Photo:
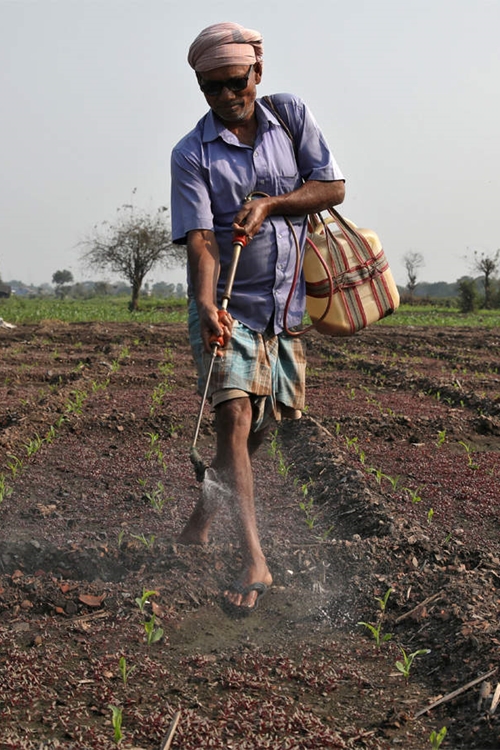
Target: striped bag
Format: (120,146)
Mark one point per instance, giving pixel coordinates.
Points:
(348,280)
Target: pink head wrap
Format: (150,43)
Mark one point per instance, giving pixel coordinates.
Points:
(225,44)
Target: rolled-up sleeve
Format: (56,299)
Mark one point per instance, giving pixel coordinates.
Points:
(190,198)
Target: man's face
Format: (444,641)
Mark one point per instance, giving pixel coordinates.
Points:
(231,106)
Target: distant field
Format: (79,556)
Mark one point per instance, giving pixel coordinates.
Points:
(104,309)
(153,310)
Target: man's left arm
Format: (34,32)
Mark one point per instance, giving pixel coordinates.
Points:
(311,197)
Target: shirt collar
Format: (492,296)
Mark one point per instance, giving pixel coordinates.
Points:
(213,128)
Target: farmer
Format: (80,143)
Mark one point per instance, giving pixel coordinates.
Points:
(237,148)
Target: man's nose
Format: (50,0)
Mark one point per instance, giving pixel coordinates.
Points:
(226,93)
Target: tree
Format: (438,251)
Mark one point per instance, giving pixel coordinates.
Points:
(487,265)
(132,246)
(62,279)
(412,262)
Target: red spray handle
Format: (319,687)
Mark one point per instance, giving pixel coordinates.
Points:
(217,340)
(239,241)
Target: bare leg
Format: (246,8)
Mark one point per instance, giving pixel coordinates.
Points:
(235,445)
(197,528)
(232,463)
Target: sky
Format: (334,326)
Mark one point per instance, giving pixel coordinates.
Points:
(95,93)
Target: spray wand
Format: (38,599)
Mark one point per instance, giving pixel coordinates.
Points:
(239,241)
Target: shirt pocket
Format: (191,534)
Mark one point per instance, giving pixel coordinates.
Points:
(276,169)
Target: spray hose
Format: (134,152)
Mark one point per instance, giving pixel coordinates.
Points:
(314,219)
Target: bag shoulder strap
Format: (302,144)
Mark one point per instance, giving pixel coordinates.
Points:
(270,101)
(298,263)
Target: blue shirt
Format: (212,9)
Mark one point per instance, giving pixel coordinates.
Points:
(212,173)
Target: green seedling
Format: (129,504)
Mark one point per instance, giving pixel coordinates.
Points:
(160,457)
(153,444)
(166,368)
(382,601)
(96,386)
(33,446)
(307,507)
(153,633)
(469,451)
(50,435)
(124,670)
(5,491)
(273,444)
(116,720)
(283,467)
(121,534)
(158,396)
(157,497)
(376,631)
(393,481)
(351,442)
(146,541)
(436,738)
(324,536)
(377,473)
(430,515)
(143,600)
(75,406)
(414,495)
(405,665)
(15,464)
(124,353)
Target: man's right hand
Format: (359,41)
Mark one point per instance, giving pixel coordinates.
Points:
(216,328)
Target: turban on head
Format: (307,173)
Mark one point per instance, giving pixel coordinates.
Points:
(225,44)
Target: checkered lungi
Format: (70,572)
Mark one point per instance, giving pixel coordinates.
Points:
(267,367)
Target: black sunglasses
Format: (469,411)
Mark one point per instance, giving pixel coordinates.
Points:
(214,88)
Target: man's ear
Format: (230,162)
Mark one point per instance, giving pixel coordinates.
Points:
(257,69)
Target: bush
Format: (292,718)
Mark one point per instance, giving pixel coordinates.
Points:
(468,297)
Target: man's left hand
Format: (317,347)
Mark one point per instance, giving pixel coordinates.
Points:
(251,216)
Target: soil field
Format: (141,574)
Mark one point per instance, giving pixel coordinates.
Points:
(380,506)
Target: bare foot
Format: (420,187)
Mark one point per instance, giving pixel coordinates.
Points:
(191,536)
(198,526)
(239,594)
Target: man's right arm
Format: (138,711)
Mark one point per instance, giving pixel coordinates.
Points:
(204,268)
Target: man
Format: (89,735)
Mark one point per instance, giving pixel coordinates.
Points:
(237,148)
